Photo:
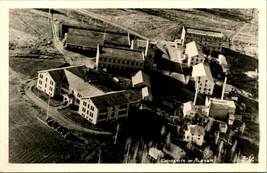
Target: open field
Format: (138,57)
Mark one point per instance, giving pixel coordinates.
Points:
(166,23)
(30,140)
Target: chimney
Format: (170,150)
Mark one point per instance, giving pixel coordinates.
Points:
(132,44)
(195,99)
(224,85)
(146,51)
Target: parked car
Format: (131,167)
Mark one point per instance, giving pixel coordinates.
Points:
(55,125)
(50,123)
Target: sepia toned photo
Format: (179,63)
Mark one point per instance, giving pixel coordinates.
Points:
(134,86)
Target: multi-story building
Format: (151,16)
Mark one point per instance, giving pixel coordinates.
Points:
(70,82)
(220,108)
(204,81)
(140,79)
(207,39)
(148,47)
(189,110)
(104,107)
(119,58)
(195,134)
(194,54)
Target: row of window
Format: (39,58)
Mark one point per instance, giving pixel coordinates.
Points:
(118,66)
(118,61)
(85,104)
(205,38)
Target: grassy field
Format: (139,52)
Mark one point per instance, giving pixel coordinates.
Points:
(166,23)
(31,141)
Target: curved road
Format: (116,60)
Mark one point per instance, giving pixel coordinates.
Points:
(55,114)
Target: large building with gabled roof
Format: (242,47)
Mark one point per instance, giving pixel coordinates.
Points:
(194,54)
(208,39)
(70,82)
(104,107)
(119,58)
(204,81)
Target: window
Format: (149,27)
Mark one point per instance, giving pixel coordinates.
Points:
(91,114)
(132,63)
(102,116)
(46,79)
(119,61)
(88,106)
(87,112)
(51,82)
(40,82)
(41,76)
(123,106)
(122,112)
(122,61)
(83,109)
(78,101)
(90,120)
(114,60)
(92,108)
(109,60)
(127,62)
(84,103)
(104,110)
(198,138)
(45,85)
(105,59)
(136,63)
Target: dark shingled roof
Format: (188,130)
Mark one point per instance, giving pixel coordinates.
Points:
(58,75)
(84,41)
(111,99)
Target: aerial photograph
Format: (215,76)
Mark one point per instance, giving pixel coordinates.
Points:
(133,85)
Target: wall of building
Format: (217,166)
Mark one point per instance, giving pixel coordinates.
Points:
(194,60)
(207,42)
(204,85)
(88,110)
(119,63)
(46,84)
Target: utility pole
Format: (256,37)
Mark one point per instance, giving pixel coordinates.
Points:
(48,104)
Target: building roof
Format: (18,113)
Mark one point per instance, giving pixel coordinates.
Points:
(108,51)
(174,151)
(110,99)
(180,77)
(146,92)
(175,54)
(141,77)
(58,74)
(204,32)
(222,60)
(188,106)
(84,41)
(155,153)
(196,129)
(80,85)
(193,49)
(116,39)
(218,107)
(202,69)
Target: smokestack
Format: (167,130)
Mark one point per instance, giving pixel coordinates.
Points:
(195,99)
(132,44)
(224,85)
(146,51)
